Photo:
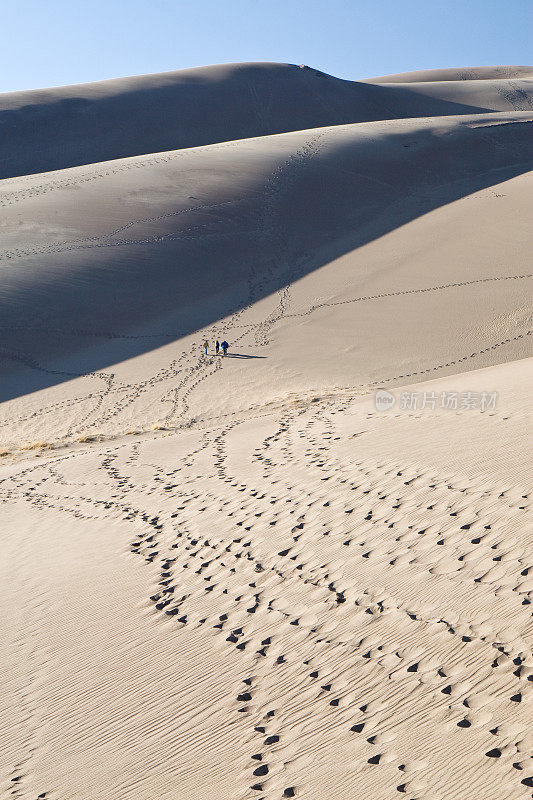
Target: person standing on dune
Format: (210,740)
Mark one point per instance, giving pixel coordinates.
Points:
(206,346)
(217,347)
(224,346)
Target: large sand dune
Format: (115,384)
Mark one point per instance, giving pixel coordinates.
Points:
(68,126)
(235,576)
(187,238)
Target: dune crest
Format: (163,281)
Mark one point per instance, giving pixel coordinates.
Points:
(464,74)
(50,129)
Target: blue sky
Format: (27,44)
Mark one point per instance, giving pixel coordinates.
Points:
(73,41)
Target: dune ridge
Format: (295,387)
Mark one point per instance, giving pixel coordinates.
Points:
(50,129)
(462,74)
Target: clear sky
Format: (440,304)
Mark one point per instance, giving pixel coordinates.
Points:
(56,42)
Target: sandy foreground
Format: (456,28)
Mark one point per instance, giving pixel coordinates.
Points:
(240,577)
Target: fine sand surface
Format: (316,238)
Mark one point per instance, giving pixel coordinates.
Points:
(237,577)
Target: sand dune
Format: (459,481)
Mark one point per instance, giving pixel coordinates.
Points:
(463,74)
(315,599)
(51,129)
(237,577)
(188,238)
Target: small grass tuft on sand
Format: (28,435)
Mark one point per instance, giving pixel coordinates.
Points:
(89,437)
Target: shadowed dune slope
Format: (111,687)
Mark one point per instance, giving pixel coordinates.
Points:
(199,233)
(52,129)
(106,262)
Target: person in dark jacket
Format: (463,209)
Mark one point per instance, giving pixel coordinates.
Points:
(224,347)
(217,346)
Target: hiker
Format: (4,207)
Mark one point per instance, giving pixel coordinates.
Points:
(217,346)
(206,346)
(224,347)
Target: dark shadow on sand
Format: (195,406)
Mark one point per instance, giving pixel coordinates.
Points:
(241,355)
